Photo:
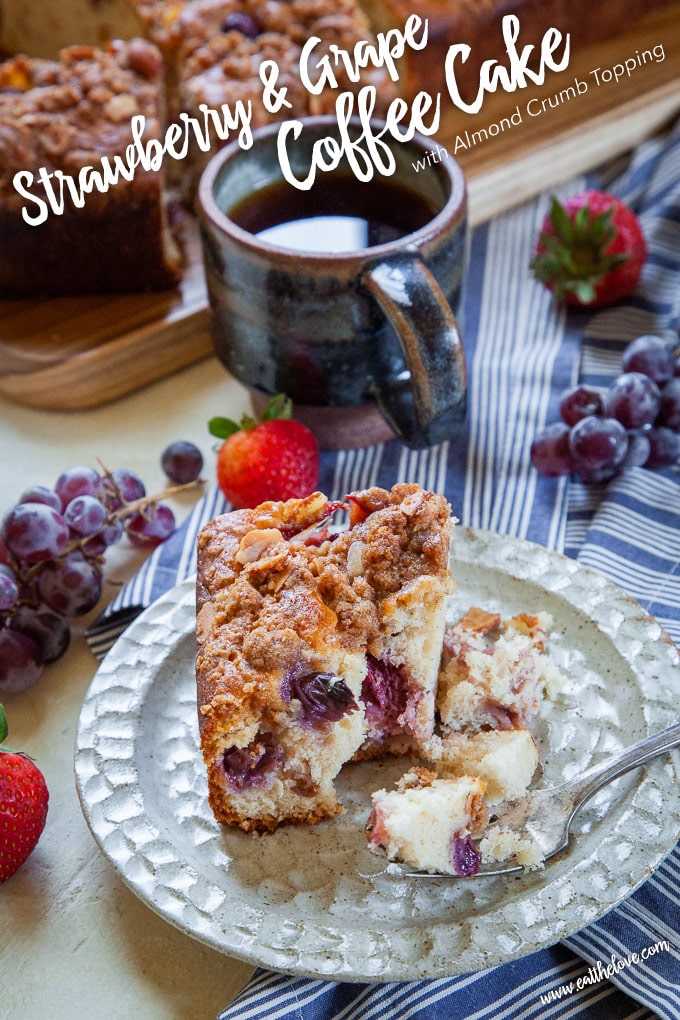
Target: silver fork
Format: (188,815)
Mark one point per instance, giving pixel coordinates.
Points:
(546,815)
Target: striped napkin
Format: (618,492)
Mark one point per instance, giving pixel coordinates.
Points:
(521,354)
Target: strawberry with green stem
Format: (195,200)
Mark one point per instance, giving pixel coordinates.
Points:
(23,805)
(590,250)
(276,458)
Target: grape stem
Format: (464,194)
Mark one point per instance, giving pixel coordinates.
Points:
(139,505)
(127,510)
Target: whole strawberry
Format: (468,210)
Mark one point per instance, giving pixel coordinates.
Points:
(590,251)
(23,806)
(274,459)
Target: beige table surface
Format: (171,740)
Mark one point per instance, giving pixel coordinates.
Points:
(74,941)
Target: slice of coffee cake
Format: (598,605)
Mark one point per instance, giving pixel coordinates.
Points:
(314,648)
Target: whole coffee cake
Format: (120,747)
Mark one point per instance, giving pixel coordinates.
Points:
(56,118)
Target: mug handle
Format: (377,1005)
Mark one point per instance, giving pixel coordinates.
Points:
(426,408)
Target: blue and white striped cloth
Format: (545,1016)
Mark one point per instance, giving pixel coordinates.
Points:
(522,352)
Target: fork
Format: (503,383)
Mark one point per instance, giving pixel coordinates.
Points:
(546,815)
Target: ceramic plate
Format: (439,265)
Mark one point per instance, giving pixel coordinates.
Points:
(313,900)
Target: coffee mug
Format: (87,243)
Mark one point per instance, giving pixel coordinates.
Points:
(342,296)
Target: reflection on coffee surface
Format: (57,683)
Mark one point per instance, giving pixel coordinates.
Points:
(338,214)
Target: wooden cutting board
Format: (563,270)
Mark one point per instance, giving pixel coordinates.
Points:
(74,353)
(78,352)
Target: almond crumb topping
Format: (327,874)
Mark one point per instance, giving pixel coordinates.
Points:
(355,559)
(256,543)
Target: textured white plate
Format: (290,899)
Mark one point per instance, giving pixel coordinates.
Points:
(313,900)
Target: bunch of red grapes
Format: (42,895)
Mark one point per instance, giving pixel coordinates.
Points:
(635,422)
(52,550)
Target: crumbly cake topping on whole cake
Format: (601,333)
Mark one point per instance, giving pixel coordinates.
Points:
(66,114)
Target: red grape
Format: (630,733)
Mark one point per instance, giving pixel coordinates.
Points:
(109,535)
(76,481)
(665,447)
(550,452)
(151,528)
(669,410)
(9,589)
(594,477)
(579,402)
(41,494)
(93,546)
(633,399)
(20,662)
(651,356)
(49,630)
(598,446)
(129,485)
(35,532)
(71,586)
(639,448)
(182,462)
(85,515)
(119,487)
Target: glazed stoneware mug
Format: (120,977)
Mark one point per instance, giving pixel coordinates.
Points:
(342,296)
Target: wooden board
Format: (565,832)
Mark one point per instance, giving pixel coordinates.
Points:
(72,353)
(75,353)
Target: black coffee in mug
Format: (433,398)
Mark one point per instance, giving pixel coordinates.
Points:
(355,319)
(338,214)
